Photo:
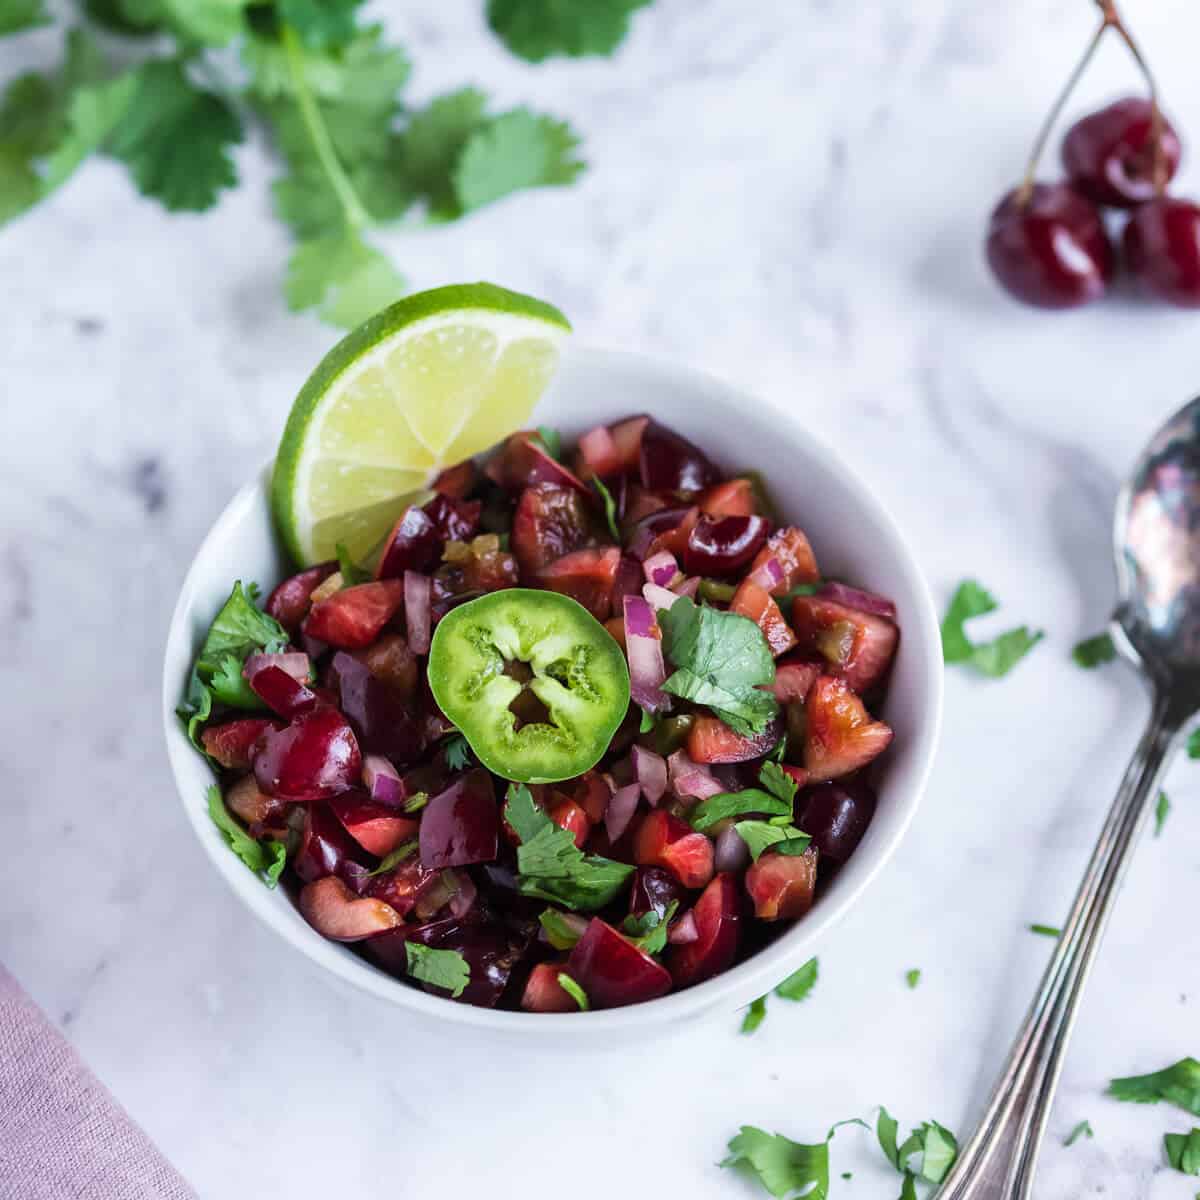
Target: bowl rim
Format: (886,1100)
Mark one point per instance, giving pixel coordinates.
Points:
(737,985)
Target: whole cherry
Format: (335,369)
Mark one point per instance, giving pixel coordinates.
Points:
(1047,245)
(1162,248)
(1110,155)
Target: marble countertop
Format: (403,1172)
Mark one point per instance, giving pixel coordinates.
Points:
(788,195)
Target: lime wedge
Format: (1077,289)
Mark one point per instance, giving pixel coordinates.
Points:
(426,383)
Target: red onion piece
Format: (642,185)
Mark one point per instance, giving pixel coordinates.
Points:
(683,930)
(768,574)
(383,781)
(356,875)
(622,805)
(868,602)
(691,779)
(650,770)
(659,597)
(661,568)
(687,587)
(293,662)
(643,645)
(730,852)
(417,589)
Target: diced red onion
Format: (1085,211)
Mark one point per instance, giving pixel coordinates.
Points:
(661,568)
(313,647)
(868,602)
(416,610)
(643,645)
(683,930)
(768,574)
(659,597)
(687,587)
(464,898)
(573,921)
(622,804)
(292,662)
(355,875)
(730,852)
(691,779)
(383,781)
(650,769)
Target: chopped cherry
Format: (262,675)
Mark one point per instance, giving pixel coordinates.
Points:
(325,847)
(470,569)
(458,481)
(753,601)
(454,520)
(413,545)
(665,529)
(793,679)
(723,545)
(265,815)
(835,816)
(613,971)
(543,992)
(733,498)
(1162,246)
(841,735)
(353,617)
(782,885)
(490,950)
(710,740)
(627,438)
(335,912)
(587,576)
(405,885)
(391,662)
(717,915)
(375,827)
(462,824)
(1110,154)
(663,840)
(654,889)
(568,815)
(289,602)
(549,522)
(857,646)
(523,461)
(598,454)
(280,691)
(313,758)
(381,719)
(1050,248)
(784,562)
(670,463)
(232,743)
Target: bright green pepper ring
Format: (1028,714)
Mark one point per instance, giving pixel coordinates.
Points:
(486,652)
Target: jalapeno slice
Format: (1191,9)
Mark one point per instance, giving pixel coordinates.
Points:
(533,681)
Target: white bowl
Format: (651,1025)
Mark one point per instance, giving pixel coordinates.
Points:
(854,538)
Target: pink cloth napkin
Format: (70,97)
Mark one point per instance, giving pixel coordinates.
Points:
(62,1135)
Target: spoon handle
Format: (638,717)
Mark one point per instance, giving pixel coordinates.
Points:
(998,1163)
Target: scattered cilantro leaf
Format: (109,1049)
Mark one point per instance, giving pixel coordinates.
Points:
(175,138)
(610,508)
(458,752)
(721,660)
(321,24)
(536,29)
(1193,744)
(17,15)
(350,572)
(649,931)
(573,990)
(549,864)
(913,977)
(762,835)
(995,658)
(1183,1151)
(1094,651)
(1162,808)
(390,861)
(777,781)
(341,276)
(559,934)
(1046,930)
(756,1013)
(1178,1084)
(935,1144)
(266,858)
(445,969)
(799,983)
(887,1129)
(782,1166)
(517,150)
(1083,1129)
(732,804)
(551,441)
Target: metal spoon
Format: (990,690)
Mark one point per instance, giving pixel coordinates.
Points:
(1157,627)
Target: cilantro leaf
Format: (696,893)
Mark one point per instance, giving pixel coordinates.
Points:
(536,29)
(762,835)
(130,18)
(1083,1129)
(934,1142)
(551,441)
(175,138)
(913,977)
(432,142)
(1178,1084)
(350,572)
(321,24)
(458,752)
(887,1128)
(559,934)
(266,858)
(573,990)
(210,22)
(799,983)
(1183,1151)
(1046,930)
(549,864)
(519,149)
(610,508)
(16,15)
(446,969)
(995,658)
(721,659)
(1093,651)
(341,276)
(732,804)
(1162,808)
(390,861)
(755,1015)
(777,781)
(649,931)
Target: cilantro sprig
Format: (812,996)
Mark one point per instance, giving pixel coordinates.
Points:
(995,658)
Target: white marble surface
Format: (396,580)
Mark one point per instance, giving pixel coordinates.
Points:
(788,194)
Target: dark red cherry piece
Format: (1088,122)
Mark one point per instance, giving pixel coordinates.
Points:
(1162,247)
